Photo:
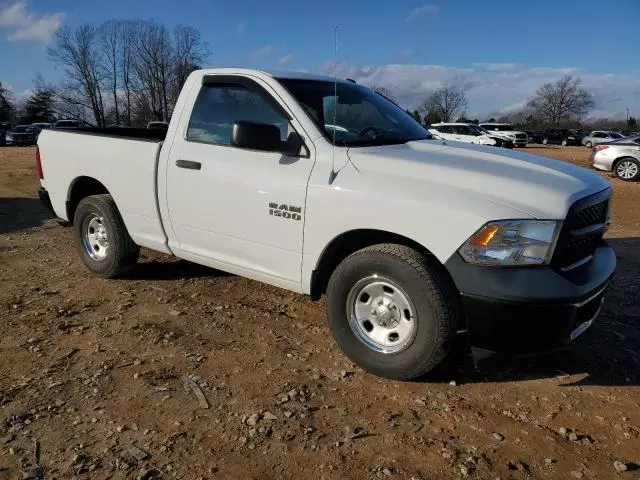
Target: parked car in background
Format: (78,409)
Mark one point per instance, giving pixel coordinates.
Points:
(4,127)
(66,124)
(468,133)
(158,125)
(622,157)
(600,136)
(22,135)
(534,136)
(518,137)
(560,136)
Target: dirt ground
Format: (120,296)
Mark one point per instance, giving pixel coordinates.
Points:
(92,375)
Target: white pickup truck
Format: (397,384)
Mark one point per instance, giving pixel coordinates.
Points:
(324,187)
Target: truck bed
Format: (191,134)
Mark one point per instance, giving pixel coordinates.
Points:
(124,160)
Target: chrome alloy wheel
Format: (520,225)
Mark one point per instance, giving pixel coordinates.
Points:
(627,169)
(381,315)
(96,242)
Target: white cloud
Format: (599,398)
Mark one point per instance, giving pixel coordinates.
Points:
(25,25)
(261,52)
(416,12)
(286,60)
(496,67)
(492,89)
(241,27)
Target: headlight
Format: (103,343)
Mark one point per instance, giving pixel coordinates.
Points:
(571,138)
(9,137)
(511,243)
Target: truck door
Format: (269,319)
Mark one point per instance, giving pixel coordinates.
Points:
(236,209)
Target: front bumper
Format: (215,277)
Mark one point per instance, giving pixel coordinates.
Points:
(530,310)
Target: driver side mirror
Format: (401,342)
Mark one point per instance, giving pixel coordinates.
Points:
(266,137)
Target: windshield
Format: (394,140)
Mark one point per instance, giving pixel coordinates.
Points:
(360,117)
(479,129)
(616,135)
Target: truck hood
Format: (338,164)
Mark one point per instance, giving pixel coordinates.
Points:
(536,186)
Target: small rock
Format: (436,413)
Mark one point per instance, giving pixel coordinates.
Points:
(288,414)
(175,313)
(137,453)
(549,461)
(253,419)
(573,437)
(498,437)
(148,473)
(619,466)
(387,472)
(219,308)
(453,383)
(268,416)
(120,428)
(33,474)
(577,474)
(563,431)
(464,470)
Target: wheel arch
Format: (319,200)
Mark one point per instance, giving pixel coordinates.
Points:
(346,243)
(80,188)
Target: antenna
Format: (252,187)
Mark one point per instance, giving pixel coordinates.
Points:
(332,175)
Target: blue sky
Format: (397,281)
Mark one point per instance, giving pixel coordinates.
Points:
(501,49)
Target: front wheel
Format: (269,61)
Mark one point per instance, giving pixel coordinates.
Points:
(393,311)
(564,143)
(104,244)
(545,141)
(627,169)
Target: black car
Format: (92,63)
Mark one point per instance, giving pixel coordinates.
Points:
(535,136)
(22,135)
(561,136)
(4,128)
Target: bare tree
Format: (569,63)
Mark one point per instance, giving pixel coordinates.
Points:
(110,42)
(189,51)
(563,100)
(78,54)
(129,71)
(7,106)
(446,103)
(384,91)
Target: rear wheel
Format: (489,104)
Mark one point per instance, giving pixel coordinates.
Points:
(589,145)
(627,169)
(392,311)
(564,142)
(545,141)
(104,244)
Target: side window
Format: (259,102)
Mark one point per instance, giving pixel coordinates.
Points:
(463,130)
(445,129)
(599,135)
(218,107)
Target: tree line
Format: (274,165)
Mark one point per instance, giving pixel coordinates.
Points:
(563,103)
(122,72)
(129,72)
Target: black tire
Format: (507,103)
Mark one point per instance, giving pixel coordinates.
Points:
(618,172)
(432,293)
(122,253)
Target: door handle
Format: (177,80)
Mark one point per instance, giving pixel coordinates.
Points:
(191,165)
